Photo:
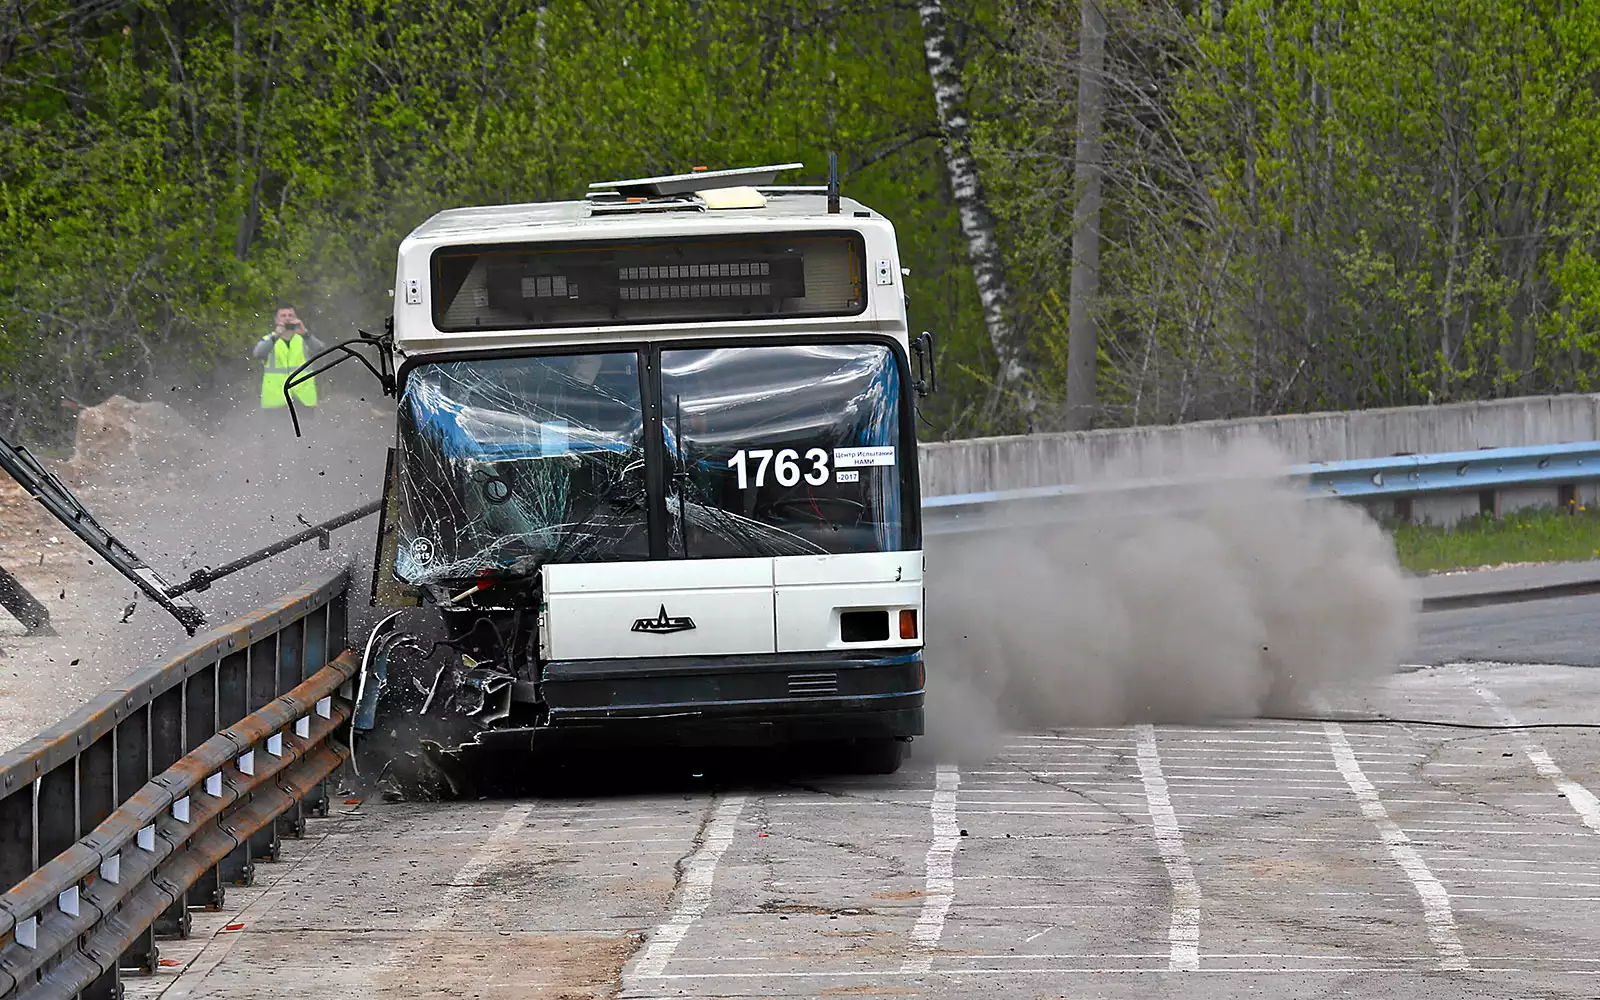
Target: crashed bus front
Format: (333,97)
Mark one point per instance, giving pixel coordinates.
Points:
(656,467)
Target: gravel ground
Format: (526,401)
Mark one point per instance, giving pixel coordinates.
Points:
(178,515)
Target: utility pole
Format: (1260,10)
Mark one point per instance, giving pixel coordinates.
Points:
(1088,165)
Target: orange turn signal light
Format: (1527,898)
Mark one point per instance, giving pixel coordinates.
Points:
(908,624)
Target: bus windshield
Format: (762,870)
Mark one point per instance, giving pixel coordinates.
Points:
(782,449)
(763,450)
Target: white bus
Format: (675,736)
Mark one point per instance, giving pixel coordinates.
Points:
(656,464)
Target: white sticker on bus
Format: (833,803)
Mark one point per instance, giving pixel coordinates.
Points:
(858,458)
(847,476)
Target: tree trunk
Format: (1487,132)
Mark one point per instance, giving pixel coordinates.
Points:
(1088,163)
(977,225)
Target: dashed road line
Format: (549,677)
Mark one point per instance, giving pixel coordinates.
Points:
(694,892)
(1582,801)
(465,880)
(1183,931)
(940,880)
(1435,899)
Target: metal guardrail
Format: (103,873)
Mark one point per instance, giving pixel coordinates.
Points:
(165,789)
(1454,471)
(1399,479)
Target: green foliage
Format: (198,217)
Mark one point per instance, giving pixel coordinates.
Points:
(1324,204)
(1309,203)
(1524,536)
(169,172)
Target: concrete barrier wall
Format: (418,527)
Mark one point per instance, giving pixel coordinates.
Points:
(982,464)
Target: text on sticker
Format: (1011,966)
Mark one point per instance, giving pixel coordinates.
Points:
(860,458)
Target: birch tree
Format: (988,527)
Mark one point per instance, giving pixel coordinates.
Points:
(1012,356)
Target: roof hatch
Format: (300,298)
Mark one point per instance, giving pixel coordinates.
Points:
(693,182)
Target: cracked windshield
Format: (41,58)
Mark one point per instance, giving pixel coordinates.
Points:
(768,451)
(782,450)
(513,462)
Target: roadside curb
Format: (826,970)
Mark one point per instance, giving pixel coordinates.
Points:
(1514,585)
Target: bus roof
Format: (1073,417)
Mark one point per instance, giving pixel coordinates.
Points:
(609,217)
(598,219)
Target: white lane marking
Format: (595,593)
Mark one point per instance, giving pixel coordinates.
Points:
(1582,801)
(1034,937)
(1435,900)
(694,892)
(1184,930)
(465,880)
(940,888)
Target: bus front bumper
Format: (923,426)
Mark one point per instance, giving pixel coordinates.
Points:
(738,700)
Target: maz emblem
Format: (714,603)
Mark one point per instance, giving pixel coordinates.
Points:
(662,624)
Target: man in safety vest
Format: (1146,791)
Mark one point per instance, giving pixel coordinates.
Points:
(284,349)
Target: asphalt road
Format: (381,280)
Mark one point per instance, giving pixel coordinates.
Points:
(1563,630)
(1566,630)
(1272,858)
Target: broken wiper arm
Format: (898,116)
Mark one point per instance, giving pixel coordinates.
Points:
(44,486)
(383,371)
(55,497)
(202,579)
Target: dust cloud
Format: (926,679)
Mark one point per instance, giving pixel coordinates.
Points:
(1235,598)
(197,477)
(247,482)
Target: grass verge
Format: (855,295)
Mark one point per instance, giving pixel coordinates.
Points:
(1522,536)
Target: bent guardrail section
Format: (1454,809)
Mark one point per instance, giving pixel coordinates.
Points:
(164,790)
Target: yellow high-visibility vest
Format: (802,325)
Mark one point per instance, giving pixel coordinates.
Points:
(287,355)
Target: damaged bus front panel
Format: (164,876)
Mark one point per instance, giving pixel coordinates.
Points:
(685,528)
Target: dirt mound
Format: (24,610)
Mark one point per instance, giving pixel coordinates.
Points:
(21,520)
(123,438)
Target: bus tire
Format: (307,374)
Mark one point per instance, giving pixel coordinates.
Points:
(874,756)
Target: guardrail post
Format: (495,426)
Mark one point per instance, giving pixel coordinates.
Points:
(58,810)
(97,783)
(331,628)
(17,856)
(133,737)
(233,693)
(263,843)
(97,800)
(1567,497)
(166,746)
(292,669)
(313,656)
(1489,504)
(200,722)
(107,987)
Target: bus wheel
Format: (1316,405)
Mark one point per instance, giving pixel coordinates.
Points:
(874,756)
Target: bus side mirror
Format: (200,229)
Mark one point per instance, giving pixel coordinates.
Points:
(926,371)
